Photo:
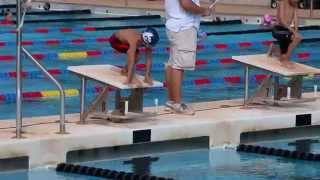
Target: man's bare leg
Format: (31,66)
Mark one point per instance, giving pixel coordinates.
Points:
(168,81)
(176,83)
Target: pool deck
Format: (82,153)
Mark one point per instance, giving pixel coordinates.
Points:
(222,121)
(225,7)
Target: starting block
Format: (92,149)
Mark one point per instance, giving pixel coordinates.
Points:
(110,77)
(270,90)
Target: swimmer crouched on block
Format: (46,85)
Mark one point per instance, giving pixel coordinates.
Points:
(286,31)
(128,41)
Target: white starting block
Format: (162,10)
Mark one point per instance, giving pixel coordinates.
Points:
(271,83)
(110,76)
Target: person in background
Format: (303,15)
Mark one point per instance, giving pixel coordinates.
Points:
(286,31)
(182,25)
(128,41)
(268,20)
(7,15)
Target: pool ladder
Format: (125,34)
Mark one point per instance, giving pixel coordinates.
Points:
(20,48)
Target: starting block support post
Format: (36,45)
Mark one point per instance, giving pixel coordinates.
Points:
(110,76)
(272,82)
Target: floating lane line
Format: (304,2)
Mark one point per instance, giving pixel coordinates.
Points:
(104,40)
(233,80)
(71,55)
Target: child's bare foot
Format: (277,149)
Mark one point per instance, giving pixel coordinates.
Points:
(287,64)
(148,80)
(124,71)
(128,82)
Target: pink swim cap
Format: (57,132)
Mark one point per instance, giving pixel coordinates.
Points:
(267,18)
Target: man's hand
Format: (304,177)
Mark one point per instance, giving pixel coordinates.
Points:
(207,12)
(213,3)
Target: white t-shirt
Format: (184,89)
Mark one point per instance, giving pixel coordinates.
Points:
(178,19)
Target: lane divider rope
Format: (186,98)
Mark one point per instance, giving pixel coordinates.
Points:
(278,152)
(73,55)
(234,80)
(93,29)
(200,65)
(105,173)
(47,30)
(104,40)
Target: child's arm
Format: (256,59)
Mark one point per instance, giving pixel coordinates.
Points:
(148,78)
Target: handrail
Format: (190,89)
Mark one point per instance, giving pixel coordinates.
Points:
(18,69)
(62,94)
(311,8)
(20,48)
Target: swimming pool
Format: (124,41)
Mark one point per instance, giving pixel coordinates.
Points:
(197,164)
(217,77)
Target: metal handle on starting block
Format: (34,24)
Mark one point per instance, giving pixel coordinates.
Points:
(126,107)
(289,93)
(156,104)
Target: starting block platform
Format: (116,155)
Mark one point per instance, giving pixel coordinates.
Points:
(270,89)
(110,76)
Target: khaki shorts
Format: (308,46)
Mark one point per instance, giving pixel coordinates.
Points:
(183,46)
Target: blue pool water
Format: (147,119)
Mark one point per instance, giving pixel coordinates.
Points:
(201,164)
(218,90)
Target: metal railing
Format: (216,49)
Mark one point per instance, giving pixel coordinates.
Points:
(20,49)
(18,69)
(311,8)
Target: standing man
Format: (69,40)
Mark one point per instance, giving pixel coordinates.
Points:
(182,24)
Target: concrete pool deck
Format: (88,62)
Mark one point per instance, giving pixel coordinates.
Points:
(225,7)
(221,121)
